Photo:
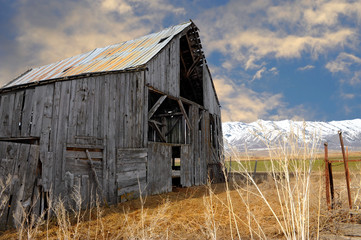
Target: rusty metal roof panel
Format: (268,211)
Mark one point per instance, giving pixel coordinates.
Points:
(122,56)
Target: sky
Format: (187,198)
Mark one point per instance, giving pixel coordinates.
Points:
(270,60)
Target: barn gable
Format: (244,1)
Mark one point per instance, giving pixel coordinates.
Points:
(142,114)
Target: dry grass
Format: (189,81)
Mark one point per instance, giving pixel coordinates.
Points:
(289,205)
(202,212)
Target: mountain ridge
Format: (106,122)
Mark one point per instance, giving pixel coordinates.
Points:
(257,135)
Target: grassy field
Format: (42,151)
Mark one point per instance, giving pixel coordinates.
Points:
(264,163)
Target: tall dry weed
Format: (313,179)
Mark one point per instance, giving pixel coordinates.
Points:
(290,171)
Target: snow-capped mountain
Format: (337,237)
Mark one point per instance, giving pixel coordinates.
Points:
(256,135)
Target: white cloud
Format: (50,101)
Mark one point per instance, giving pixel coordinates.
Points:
(307,67)
(254,32)
(240,103)
(51,31)
(342,62)
(348,65)
(258,74)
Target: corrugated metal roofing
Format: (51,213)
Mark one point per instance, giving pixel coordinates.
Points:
(122,56)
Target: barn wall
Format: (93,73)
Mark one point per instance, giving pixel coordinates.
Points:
(159,175)
(163,70)
(71,120)
(210,103)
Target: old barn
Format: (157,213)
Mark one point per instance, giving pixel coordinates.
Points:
(142,112)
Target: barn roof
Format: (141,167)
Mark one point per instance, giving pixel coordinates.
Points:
(127,55)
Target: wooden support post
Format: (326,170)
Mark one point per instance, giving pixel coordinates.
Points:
(327,178)
(347,173)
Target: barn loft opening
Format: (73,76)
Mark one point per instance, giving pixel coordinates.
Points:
(167,119)
(191,67)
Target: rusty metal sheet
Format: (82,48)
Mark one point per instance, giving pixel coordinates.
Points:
(122,56)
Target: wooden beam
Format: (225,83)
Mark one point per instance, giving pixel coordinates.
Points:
(156,122)
(168,114)
(185,114)
(190,70)
(156,106)
(159,132)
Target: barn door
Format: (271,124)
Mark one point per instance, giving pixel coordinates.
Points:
(18,174)
(186,166)
(159,171)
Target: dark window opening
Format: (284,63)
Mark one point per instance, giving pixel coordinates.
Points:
(167,122)
(191,67)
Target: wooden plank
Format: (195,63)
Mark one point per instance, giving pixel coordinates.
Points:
(119,127)
(140,109)
(104,90)
(85,190)
(6,111)
(45,128)
(99,109)
(127,176)
(131,166)
(48,178)
(31,173)
(186,165)
(111,147)
(159,175)
(90,109)
(26,120)
(55,116)
(156,106)
(130,182)
(81,108)
(17,112)
(16,206)
(145,112)
(3,111)
(72,112)
(131,153)
(81,167)
(83,155)
(38,108)
(131,191)
(61,131)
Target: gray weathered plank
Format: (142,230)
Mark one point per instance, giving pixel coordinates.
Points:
(17,112)
(159,176)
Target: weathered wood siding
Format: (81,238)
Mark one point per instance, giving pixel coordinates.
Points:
(164,71)
(159,174)
(19,162)
(101,114)
(131,172)
(210,100)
